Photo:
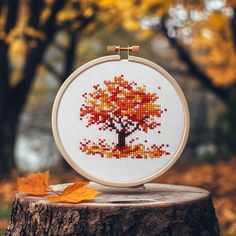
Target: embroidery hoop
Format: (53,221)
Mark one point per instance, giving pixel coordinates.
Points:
(95,62)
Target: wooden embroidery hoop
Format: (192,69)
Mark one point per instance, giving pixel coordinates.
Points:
(139,60)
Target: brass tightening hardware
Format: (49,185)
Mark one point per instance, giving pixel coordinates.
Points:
(112,48)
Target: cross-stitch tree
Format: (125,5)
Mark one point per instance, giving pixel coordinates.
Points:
(121,106)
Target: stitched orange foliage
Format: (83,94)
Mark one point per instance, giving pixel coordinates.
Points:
(75,193)
(123,107)
(37,184)
(34,183)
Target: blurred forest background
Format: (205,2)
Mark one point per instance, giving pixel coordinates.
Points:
(43,41)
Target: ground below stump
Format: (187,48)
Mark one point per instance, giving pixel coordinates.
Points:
(156,209)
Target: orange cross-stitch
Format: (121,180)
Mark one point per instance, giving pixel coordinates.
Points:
(123,107)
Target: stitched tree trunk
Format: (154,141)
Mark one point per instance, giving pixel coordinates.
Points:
(121,139)
(157,209)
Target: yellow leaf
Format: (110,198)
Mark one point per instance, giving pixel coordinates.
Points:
(34,183)
(45,15)
(18,48)
(75,193)
(15,78)
(88,12)
(131,25)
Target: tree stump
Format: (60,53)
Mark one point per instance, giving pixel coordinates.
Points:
(154,209)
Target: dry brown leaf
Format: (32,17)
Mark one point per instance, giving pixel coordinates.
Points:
(34,183)
(75,193)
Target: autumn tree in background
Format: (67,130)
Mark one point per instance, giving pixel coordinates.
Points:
(20,31)
(123,107)
(27,28)
(203,35)
(205,42)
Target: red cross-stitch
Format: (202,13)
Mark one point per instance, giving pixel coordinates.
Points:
(123,107)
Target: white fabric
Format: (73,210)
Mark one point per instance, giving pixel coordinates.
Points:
(72,130)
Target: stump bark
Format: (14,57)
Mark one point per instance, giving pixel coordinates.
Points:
(156,209)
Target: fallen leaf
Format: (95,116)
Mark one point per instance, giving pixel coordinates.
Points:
(75,186)
(75,193)
(34,183)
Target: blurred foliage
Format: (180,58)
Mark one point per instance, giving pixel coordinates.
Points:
(204,30)
(211,40)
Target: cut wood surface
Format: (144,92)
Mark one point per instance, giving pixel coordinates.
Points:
(152,209)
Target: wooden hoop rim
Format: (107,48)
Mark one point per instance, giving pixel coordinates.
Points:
(117,58)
